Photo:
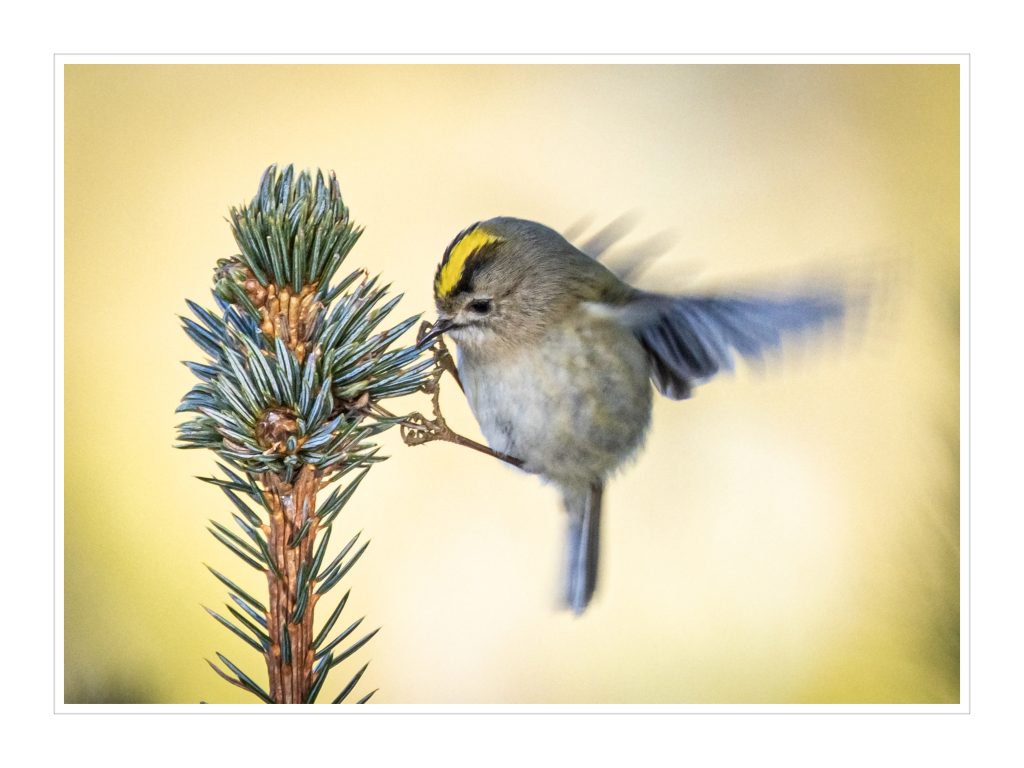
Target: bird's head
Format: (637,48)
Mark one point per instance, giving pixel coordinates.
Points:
(502,281)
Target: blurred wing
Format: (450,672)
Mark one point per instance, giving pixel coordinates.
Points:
(690,339)
(613,232)
(603,246)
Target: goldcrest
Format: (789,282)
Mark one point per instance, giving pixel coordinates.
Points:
(557,356)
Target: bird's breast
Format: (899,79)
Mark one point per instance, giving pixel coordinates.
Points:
(573,406)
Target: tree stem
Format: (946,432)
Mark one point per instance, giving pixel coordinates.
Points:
(290,613)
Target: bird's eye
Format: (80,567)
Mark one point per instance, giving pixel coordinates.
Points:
(480,306)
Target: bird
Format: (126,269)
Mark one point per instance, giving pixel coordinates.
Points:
(559,357)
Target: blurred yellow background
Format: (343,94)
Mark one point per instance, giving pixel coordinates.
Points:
(785,538)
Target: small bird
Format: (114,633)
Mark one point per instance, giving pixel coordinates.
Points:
(556,355)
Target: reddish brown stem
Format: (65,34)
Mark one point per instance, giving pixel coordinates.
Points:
(290,505)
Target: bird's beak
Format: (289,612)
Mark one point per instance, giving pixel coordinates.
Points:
(443,325)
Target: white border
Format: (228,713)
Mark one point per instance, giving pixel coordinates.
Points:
(58,385)
(513,58)
(59,60)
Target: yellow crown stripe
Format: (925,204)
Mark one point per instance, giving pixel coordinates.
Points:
(452,269)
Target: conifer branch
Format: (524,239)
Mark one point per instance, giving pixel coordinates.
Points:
(289,397)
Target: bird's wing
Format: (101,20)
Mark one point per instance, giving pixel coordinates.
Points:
(691,338)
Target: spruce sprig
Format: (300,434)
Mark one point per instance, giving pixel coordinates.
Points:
(288,398)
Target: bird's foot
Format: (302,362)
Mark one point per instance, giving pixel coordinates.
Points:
(417,429)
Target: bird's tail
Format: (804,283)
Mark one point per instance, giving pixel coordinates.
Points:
(584,513)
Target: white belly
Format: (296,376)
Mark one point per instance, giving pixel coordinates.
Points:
(573,407)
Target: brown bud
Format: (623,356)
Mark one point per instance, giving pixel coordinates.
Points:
(275,427)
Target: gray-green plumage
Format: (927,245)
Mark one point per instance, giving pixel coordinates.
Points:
(557,356)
